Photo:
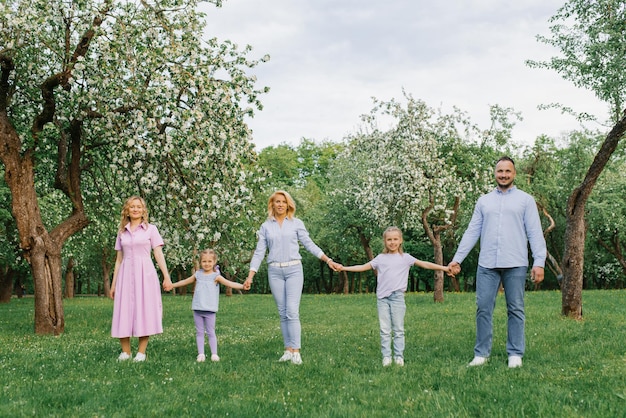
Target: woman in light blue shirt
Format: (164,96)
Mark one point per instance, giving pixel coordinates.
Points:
(281,234)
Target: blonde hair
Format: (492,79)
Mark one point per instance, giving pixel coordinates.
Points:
(387,231)
(208,252)
(291,204)
(125,218)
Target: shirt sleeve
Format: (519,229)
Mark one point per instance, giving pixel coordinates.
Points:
(534,232)
(306,241)
(261,248)
(471,235)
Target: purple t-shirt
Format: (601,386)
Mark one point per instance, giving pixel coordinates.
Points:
(393,272)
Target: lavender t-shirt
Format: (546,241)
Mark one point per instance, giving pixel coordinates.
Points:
(393,272)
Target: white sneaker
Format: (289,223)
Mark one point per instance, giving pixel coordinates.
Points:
(515,361)
(478,361)
(201,358)
(215,357)
(399,361)
(287,355)
(140,357)
(123,356)
(386,361)
(296,358)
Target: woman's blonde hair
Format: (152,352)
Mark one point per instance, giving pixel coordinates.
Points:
(125,218)
(387,231)
(291,204)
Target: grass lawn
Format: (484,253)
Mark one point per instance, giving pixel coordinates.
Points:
(571,369)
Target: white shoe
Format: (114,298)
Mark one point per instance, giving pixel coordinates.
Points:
(478,361)
(386,361)
(140,357)
(296,358)
(287,355)
(123,356)
(215,357)
(201,358)
(515,361)
(399,361)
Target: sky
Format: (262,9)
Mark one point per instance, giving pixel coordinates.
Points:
(330,57)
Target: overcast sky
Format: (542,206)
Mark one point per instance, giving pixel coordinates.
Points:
(330,57)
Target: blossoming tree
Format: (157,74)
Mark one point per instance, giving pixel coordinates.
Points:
(99,99)
(408,176)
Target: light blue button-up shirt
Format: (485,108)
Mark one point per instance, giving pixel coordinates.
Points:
(505,223)
(283,242)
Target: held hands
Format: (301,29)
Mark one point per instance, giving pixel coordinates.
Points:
(334,266)
(248,282)
(454,268)
(167,285)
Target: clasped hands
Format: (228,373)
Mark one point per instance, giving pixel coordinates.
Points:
(454,268)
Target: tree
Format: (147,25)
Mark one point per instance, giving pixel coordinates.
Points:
(593,57)
(91,91)
(403,175)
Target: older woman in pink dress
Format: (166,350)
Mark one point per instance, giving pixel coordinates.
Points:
(136,294)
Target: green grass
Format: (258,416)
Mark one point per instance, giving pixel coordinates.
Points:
(571,369)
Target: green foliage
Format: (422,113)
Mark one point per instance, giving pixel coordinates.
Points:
(590,35)
(571,369)
(159,111)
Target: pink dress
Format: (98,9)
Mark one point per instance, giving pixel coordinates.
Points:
(137,307)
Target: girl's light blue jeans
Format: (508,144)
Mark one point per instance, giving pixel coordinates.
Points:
(286,285)
(391,310)
(487,284)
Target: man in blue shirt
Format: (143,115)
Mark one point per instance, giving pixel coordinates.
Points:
(505,220)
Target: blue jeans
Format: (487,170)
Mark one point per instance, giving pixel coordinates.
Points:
(487,284)
(286,284)
(391,310)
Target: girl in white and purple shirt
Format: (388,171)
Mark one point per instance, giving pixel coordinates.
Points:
(392,267)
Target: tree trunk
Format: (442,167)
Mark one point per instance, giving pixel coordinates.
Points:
(573,256)
(551,262)
(346,283)
(106,272)
(69,279)
(365,242)
(438,250)
(434,235)
(41,249)
(6,284)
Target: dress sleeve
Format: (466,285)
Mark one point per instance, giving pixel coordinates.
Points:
(155,237)
(118,242)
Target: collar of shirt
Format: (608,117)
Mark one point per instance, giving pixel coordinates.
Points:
(509,190)
(142,225)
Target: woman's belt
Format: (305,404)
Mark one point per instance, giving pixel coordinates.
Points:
(285,264)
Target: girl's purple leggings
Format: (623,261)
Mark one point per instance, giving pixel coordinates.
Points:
(205,322)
